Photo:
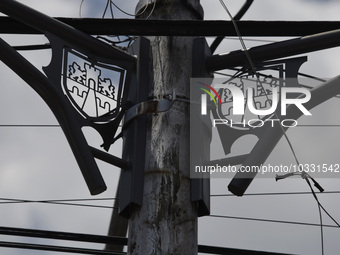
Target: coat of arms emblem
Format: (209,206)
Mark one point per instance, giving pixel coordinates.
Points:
(95,90)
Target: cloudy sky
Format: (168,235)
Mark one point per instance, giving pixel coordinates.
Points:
(36,163)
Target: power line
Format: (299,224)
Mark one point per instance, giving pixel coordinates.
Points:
(57,248)
(232,251)
(129,14)
(59,202)
(317,200)
(254,71)
(66,236)
(29,125)
(77,237)
(238,16)
(330,125)
(54,126)
(307,177)
(63,200)
(275,194)
(271,221)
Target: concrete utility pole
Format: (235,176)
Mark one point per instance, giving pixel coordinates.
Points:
(166,223)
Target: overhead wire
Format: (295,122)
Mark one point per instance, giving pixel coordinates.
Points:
(291,193)
(307,178)
(51,201)
(29,125)
(54,248)
(271,221)
(59,202)
(238,16)
(129,14)
(111,3)
(97,239)
(320,217)
(129,39)
(15,200)
(303,174)
(80,7)
(153,8)
(318,202)
(253,69)
(108,3)
(58,126)
(274,194)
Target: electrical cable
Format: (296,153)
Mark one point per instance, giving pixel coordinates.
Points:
(274,194)
(126,13)
(129,39)
(271,221)
(62,200)
(57,202)
(239,36)
(306,177)
(111,10)
(320,215)
(321,226)
(53,126)
(238,16)
(253,69)
(54,248)
(29,125)
(81,5)
(153,8)
(98,239)
(317,200)
(205,249)
(323,126)
(105,9)
(129,14)
(66,236)
(110,3)
(330,216)
(303,174)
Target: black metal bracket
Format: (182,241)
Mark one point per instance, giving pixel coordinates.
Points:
(272,136)
(94,55)
(131,184)
(200,187)
(276,50)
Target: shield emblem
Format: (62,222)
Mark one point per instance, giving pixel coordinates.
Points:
(261,100)
(95,89)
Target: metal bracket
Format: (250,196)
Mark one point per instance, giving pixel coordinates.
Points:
(152,106)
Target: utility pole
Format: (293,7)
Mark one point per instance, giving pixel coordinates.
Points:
(166,223)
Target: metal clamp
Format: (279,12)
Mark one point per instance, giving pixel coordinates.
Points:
(152,106)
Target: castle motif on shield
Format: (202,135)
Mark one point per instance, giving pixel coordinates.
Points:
(93,89)
(262,93)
